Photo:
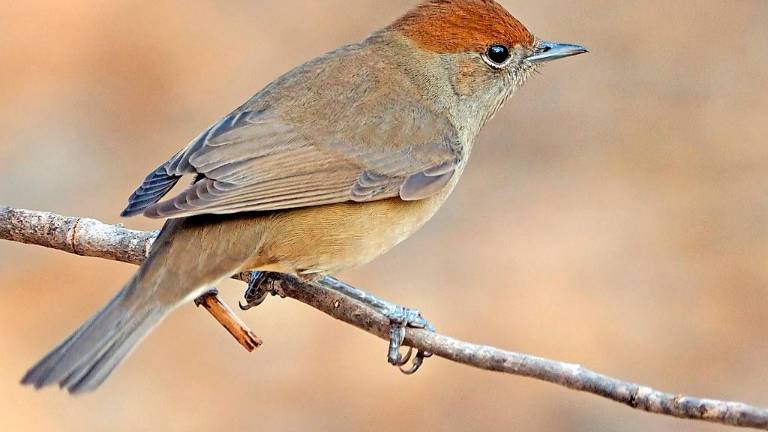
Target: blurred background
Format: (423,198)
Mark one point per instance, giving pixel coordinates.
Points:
(615,214)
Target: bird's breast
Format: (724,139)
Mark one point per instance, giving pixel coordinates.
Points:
(332,238)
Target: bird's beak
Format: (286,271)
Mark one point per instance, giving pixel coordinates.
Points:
(548,51)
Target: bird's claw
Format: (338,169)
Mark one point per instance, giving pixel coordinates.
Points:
(416,363)
(257,292)
(400,318)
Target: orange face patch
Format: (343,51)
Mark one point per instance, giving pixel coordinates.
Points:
(453,26)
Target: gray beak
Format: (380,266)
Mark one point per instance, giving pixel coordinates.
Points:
(548,51)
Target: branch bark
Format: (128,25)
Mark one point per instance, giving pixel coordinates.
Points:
(88,237)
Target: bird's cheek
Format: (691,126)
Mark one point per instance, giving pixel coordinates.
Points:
(470,77)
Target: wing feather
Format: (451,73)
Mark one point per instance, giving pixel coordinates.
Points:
(261,158)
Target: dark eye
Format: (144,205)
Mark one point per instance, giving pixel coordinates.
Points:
(497,55)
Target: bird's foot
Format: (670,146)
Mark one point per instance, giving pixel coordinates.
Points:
(401,318)
(259,288)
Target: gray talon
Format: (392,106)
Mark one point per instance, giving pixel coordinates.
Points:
(406,358)
(256,293)
(400,318)
(417,362)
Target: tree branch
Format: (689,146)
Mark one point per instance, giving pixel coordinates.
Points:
(88,237)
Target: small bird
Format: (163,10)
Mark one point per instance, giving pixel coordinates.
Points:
(325,169)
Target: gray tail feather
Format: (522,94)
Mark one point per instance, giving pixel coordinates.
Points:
(84,360)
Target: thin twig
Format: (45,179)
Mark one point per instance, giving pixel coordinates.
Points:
(88,237)
(227,318)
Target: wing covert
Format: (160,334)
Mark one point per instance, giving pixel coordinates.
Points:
(261,158)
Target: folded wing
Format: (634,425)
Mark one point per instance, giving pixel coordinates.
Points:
(255,160)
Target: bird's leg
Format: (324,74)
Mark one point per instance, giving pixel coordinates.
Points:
(261,285)
(399,318)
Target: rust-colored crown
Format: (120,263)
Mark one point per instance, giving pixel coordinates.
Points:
(452,26)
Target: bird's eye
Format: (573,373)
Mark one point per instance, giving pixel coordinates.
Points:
(496,55)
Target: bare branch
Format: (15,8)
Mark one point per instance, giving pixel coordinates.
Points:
(89,237)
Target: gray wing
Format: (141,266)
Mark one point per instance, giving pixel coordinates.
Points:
(254,160)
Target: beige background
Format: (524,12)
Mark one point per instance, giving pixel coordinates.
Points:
(615,214)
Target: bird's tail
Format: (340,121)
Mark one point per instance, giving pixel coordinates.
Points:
(183,263)
(84,360)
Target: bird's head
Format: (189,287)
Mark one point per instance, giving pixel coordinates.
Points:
(487,52)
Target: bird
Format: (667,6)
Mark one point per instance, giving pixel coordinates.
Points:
(328,167)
